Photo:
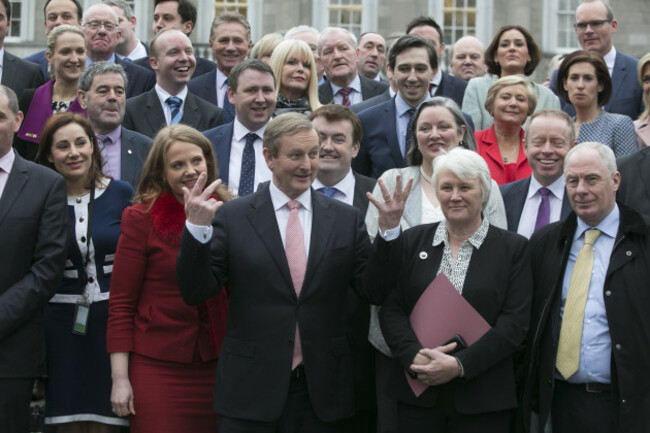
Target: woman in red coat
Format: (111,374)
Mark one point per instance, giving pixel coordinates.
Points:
(163,354)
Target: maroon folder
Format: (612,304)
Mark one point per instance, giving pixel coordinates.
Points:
(440,313)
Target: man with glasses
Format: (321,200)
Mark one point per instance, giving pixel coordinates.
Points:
(595,27)
(100,26)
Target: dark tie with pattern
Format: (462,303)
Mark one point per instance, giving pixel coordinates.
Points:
(228,108)
(247,176)
(345,93)
(409,136)
(174,103)
(328,191)
(544,210)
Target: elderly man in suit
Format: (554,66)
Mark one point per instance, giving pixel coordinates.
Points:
(102,93)
(595,27)
(337,51)
(100,25)
(466,58)
(33,229)
(55,13)
(16,74)
(170,102)
(541,199)
(590,331)
(289,256)
(238,144)
(230,41)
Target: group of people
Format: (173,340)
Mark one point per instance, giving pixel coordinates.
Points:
(244,245)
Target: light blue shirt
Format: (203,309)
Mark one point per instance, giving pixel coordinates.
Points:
(111,59)
(401,109)
(596,345)
(355,95)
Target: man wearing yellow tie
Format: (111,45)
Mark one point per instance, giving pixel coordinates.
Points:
(589,352)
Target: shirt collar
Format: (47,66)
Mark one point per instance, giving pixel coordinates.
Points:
(437,78)
(402,107)
(221,79)
(280,199)
(7,161)
(114,135)
(163,95)
(608,226)
(345,185)
(610,59)
(354,85)
(476,240)
(556,188)
(239,131)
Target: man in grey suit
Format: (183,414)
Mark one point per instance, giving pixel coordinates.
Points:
(170,102)
(33,223)
(17,74)
(102,93)
(337,51)
(541,199)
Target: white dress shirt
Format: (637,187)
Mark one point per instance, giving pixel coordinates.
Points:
(163,95)
(345,188)
(531,206)
(355,94)
(262,172)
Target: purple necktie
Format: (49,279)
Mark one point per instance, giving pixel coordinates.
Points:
(544,211)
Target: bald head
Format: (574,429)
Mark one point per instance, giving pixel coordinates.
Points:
(466,58)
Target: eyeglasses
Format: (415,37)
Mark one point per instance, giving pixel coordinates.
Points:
(95,25)
(596,24)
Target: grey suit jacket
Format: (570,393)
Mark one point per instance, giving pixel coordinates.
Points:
(369,88)
(135,148)
(33,229)
(18,74)
(145,115)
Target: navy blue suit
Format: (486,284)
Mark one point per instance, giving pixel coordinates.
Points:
(627,95)
(205,86)
(514,198)
(221,139)
(40,59)
(134,150)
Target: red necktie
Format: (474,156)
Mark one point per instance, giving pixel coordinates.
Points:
(345,93)
(295,251)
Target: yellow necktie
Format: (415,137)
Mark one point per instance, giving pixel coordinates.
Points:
(568,350)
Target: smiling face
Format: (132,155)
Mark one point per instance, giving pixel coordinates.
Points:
(311,40)
(547,142)
(338,56)
(230,45)
(371,54)
(71,153)
(511,104)
(461,201)
(412,74)
(512,53)
(254,98)
(105,102)
(599,39)
(59,12)
(184,162)
(69,57)
(337,148)
(174,63)
(100,42)
(582,85)
(296,164)
(295,76)
(437,132)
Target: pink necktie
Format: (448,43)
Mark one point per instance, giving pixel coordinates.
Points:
(295,251)
(345,93)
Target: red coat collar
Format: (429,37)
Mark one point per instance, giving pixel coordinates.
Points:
(168,216)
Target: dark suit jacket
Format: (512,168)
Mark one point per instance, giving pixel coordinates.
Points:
(375,100)
(452,87)
(145,115)
(140,80)
(33,229)
(18,74)
(627,301)
(135,148)
(40,59)
(203,66)
(221,139)
(514,198)
(205,86)
(246,252)
(498,285)
(634,190)
(627,95)
(369,88)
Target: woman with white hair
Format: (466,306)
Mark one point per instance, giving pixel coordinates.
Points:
(470,387)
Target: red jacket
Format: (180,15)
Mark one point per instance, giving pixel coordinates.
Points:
(487,147)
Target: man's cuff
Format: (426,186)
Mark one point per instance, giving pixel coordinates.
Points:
(390,234)
(203,234)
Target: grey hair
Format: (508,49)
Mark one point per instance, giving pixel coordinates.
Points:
(353,39)
(95,6)
(98,68)
(605,152)
(301,29)
(465,165)
(128,11)
(12,99)
(551,112)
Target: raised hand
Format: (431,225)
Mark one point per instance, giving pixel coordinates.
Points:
(391,209)
(200,206)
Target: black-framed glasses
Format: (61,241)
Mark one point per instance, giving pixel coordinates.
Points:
(595,24)
(95,25)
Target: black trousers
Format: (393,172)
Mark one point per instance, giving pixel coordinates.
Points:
(577,410)
(15,396)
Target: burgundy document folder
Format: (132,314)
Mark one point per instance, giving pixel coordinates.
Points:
(440,313)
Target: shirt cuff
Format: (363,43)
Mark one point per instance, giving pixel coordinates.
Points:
(203,234)
(390,234)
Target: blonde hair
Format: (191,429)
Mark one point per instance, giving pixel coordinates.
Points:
(510,80)
(295,48)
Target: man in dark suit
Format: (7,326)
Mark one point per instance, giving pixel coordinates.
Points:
(371,56)
(170,102)
(181,14)
(33,224)
(102,93)
(541,199)
(590,330)
(635,181)
(386,126)
(286,306)
(442,84)
(595,27)
(238,144)
(337,51)
(128,45)
(100,46)
(230,41)
(17,74)
(56,12)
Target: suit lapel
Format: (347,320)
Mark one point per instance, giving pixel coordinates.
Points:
(391,132)
(566,206)
(224,143)
(513,213)
(126,155)
(154,115)
(13,188)
(322,222)
(8,70)
(191,112)
(618,79)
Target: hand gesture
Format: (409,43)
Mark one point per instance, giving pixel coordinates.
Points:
(122,398)
(441,367)
(200,206)
(391,209)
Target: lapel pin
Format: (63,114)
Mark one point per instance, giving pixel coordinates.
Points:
(423,255)
(129,151)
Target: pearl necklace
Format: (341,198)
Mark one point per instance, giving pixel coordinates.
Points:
(424,175)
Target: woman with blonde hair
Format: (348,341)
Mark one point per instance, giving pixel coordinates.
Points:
(642,124)
(296,79)
(264,48)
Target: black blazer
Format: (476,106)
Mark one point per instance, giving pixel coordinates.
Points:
(18,74)
(205,86)
(145,115)
(135,148)
(247,254)
(203,66)
(498,285)
(369,89)
(453,88)
(514,198)
(634,190)
(33,229)
(140,80)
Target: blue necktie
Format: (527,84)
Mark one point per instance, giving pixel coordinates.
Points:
(174,103)
(247,176)
(409,137)
(228,108)
(328,191)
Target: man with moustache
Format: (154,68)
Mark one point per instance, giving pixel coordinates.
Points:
(466,58)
